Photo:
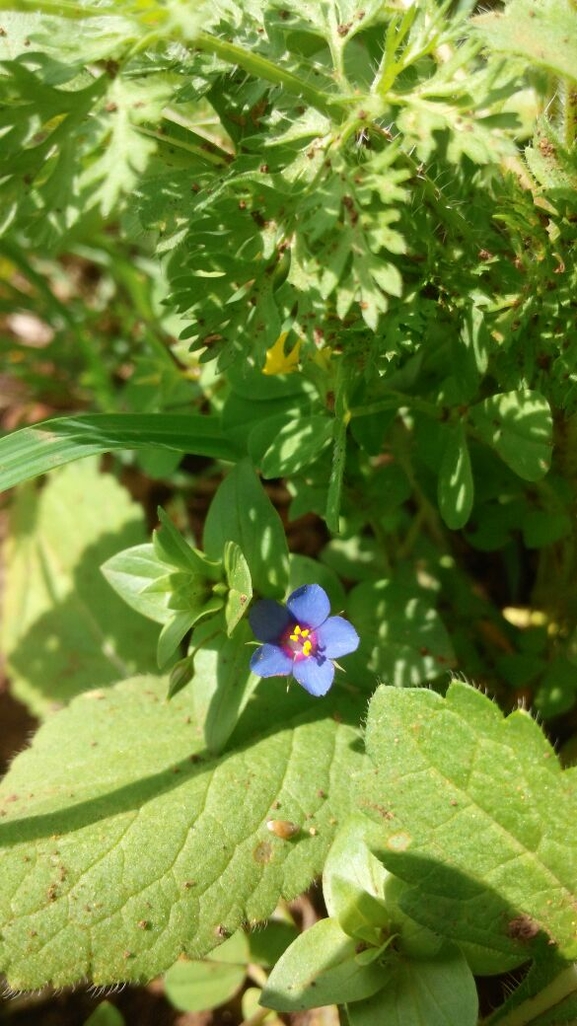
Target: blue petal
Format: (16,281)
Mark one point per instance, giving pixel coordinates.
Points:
(268,620)
(309,605)
(271,661)
(336,637)
(315,675)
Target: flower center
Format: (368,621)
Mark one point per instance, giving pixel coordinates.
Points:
(300,642)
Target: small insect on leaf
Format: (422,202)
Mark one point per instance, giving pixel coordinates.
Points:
(282,828)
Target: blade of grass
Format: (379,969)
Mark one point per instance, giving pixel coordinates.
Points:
(31,451)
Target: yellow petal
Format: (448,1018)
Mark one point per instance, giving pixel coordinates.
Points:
(276,360)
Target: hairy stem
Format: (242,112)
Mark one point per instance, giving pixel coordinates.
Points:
(260,67)
(528,1011)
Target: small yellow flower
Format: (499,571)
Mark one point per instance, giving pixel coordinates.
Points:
(276,360)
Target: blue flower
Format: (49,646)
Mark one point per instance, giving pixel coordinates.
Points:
(301,639)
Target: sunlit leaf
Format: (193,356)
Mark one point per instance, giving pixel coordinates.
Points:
(125,843)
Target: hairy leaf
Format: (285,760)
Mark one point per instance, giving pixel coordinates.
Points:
(476,808)
(125,843)
(542,31)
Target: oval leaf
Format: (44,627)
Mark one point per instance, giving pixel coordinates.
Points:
(455,487)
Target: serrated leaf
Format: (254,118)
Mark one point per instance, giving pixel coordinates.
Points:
(455,489)
(519,426)
(478,804)
(124,152)
(125,844)
(542,31)
(63,629)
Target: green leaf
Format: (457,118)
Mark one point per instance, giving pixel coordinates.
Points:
(127,844)
(105,1015)
(280,447)
(318,969)
(413,940)
(239,584)
(455,487)
(439,992)
(354,883)
(479,806)
(223,682)
(196,986)
(63,629)
(170,547)
(268,944)
(519,426)
(546,996)
(557,690)
(403,639)
(470,353)
(31,451)
(542,31)
(181,674)
(173,633)
(242,512)
(124,151)
(337,474)
(131,572)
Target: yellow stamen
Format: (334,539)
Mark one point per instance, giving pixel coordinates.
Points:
(307,648)
(299,633)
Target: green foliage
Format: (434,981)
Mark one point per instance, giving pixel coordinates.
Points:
(105,1015)
(307,271)
(62,629)
(241,513)
(545,34)
(473,856)
(194,986)
(505,840)
(32,451)
(368,954)
(103,893)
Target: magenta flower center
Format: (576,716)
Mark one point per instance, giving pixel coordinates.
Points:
(299,642)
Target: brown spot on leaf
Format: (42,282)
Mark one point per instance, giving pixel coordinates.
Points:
(263,852)
(522,928)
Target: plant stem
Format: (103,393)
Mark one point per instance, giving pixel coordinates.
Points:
(528,1011)
(569,107)
(257,1017)
(260,67)
(396,400)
